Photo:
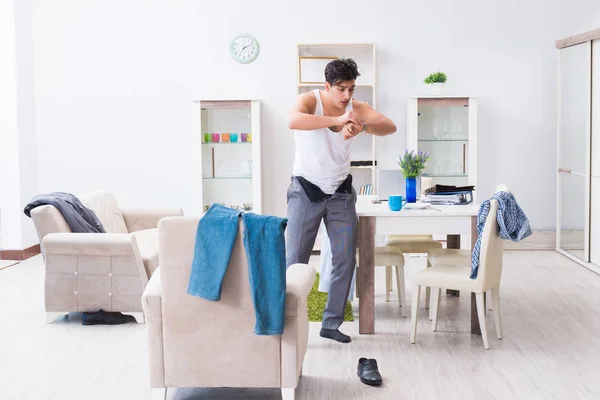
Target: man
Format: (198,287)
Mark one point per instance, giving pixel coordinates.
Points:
(325,123)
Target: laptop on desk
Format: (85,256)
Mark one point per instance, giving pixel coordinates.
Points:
(390,182)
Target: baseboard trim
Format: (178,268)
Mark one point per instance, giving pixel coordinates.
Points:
(538,240)
(20,255)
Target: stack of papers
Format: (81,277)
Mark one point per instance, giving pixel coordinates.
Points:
(446,199)
(444,194)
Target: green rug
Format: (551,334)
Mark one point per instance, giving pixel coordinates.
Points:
(317,301)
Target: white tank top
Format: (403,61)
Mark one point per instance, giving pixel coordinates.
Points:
(322,155)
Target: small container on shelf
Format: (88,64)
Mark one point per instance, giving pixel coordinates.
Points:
(225,137)
(233,137)
(216,137)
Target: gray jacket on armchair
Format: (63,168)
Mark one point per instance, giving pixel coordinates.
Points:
(79,217)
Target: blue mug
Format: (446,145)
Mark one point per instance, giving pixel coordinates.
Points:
(396,202)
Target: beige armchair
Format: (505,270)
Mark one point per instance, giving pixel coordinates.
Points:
(193,342)
(92,271)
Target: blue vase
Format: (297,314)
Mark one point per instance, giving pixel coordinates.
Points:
(411,190)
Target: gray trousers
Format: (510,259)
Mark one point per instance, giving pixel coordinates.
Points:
(339,215)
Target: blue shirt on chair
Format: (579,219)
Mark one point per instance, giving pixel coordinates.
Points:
(513,223)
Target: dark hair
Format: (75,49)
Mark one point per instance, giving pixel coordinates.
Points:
(342,69)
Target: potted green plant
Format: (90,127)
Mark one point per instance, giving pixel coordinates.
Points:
(412,166)
(436,80)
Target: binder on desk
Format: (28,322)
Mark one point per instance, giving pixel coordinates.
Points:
(448,189)
(448,197)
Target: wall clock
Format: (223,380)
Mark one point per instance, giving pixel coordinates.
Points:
(244,49)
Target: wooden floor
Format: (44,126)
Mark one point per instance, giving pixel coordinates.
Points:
(7,263)
(550,350)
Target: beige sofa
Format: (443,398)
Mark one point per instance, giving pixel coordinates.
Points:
(92,271)
(193,342)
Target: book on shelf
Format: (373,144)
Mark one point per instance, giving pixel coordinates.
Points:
(366,190)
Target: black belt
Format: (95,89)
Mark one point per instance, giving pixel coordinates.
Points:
(315,194)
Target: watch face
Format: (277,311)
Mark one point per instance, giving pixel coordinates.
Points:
(244,49)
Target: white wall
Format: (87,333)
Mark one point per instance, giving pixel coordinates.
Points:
(18,144)
(10,229)
(593,20)
(226,121)
(28,151)
(114,82)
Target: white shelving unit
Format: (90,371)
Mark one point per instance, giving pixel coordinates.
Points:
(446,128)
(231,169)
(312,59)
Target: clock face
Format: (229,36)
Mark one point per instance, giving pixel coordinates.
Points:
(244,49)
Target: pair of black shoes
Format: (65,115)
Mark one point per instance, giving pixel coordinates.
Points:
(102,317)
(368,372)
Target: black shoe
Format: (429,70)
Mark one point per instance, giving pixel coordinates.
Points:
(335,334)
(103,318)
(368,372)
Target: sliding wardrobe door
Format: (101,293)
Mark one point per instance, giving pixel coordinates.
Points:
(595,180)
(574,102)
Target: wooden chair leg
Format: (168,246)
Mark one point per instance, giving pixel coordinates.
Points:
(496,309)
(401,288)
(428,293)
(414,312)
(481,314)
(435,303)
(388,280)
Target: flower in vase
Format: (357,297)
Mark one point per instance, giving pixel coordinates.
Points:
(413,164)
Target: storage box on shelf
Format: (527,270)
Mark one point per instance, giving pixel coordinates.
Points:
(230,155)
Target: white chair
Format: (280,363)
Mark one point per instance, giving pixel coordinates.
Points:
(390,256)
(414,244)
(458,278)
(459,257)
